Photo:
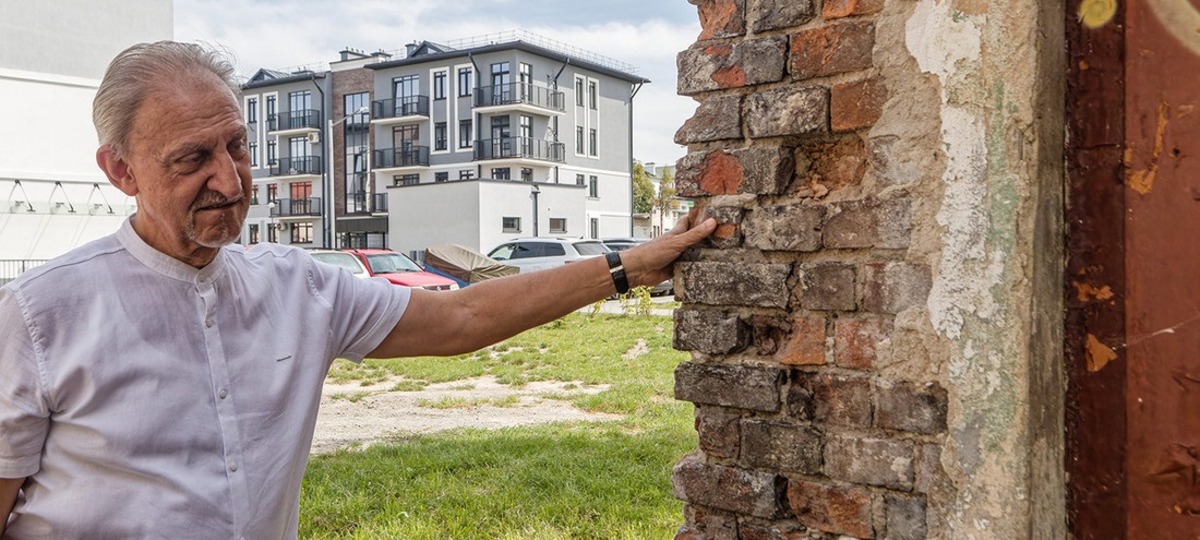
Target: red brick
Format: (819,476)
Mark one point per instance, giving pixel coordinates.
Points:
(716,118)
(856,105)
(833,9)
(832,49)
(831,508)
(755,493)
(750,531)
(718,432)
(855,341)
(724,65)
(807,343)
(826,167)
(831,399)
(721,18)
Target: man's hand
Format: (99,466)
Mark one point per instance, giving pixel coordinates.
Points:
(8,497)
(654,262)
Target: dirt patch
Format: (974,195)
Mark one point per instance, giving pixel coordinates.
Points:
(356,415)
(637,350)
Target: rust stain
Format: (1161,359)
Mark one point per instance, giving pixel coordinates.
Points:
(1097,13)
(1086,292)
(1098,354)
(722,174)
(1142,181)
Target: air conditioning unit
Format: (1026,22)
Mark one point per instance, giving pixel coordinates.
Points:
(314,137)
(280,226)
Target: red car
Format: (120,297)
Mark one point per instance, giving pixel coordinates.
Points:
(400,270)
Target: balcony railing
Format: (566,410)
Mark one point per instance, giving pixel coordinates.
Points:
(358,203)
(305,119)
(11,268)
(412,156)
(519,147)
(400,107)
(290,166)
(310,206)
(380,203)
(519,93)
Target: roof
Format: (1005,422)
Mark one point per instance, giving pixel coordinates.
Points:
(428,51)
(269,77)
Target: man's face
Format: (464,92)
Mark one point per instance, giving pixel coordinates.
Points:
(187,156)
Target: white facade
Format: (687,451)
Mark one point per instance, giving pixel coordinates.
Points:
(53,197)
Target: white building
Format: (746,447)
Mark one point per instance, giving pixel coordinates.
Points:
(53,54)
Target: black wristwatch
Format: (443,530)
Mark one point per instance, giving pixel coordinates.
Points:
(617,271)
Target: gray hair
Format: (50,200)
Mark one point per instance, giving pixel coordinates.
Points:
(144,67)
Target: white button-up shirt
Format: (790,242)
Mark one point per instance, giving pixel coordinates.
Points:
(145,398)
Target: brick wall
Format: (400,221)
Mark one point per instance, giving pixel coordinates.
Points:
(350,81)
(862,324)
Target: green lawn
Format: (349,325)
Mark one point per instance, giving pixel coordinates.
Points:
(601,480)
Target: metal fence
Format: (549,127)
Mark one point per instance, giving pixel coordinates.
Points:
(11,268)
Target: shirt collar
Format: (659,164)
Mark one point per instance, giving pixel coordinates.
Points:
(165,264)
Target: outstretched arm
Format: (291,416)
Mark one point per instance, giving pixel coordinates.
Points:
(447,323)
(8,497)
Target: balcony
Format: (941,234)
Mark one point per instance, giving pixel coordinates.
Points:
(399,110)
(523,97)
(520,149)
(310,206)
(400,158)
(296,166)
(294,122)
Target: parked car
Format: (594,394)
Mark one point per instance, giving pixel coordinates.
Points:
(399,269)
(531,254)
(622,244)
(341,259)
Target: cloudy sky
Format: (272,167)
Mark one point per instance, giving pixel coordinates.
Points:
(644,33)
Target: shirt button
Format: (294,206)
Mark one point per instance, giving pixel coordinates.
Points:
(208,323)
(222,394)
(233,467)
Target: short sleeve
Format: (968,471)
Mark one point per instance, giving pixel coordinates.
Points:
(364,310)
(24,416)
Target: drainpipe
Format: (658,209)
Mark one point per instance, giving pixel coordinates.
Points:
(327,232)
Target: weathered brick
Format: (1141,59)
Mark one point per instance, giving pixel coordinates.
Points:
(731,65)
(855,341)
(717,117)
(831,508)
(709,332)
(688,533)
(832,49)
(775,14)
(905,517)
(895,287)
(730,284)
(826,167)
(929,471)
(884,224)
(769,444)
(911,407)
(767,169)
(876,462)
(741,387)
(719,432)
(806,345)
(721,18)
(751,531)
(729,226)
(784,228)
(758,170)
(831,399)
(717,525)
(856,105)
(726,488)
(788,111)
(768,334)
(833,9)
(827,286)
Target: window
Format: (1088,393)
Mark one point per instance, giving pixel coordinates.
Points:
(511,224)
(302,233)
(464,134)
(579,179)
(299,109)
(253,194)
(558,225)
(406,180)
(526,135)
(439,136)
(579,92)
(351,104)
(300,190)
(466,174)
(592,95)
(464,82)
(592,142)
(579,140)
(252,110)
(302,202)
(354,172)
(501,74)
(526,174)
(272,234)
(441,176)
(253,237)
(406,90)
(439,85)
(253,148)
(271,109)
(526,79)
(297,149)
(501,173)
(593,187)
(594,227)
(500,129)
(272,193)
(272,153)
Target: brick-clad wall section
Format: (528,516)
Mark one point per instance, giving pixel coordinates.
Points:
(861,324)
(800,435)
(351,81)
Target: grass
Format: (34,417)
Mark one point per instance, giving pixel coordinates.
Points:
(586,480)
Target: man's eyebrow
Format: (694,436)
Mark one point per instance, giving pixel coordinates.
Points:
(184,151)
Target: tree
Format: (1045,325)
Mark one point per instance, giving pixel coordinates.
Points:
(665,200)
(643,190)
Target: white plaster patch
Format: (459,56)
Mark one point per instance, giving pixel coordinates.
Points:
(939,38)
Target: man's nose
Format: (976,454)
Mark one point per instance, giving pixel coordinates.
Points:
(225,179)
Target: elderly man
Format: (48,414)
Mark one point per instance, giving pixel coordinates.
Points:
(162,383)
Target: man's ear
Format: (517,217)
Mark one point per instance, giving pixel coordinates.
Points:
(117,170)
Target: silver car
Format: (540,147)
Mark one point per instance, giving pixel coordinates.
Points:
(531,254)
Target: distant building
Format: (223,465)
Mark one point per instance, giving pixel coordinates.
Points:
(472,142)
(53,197)
(661,218)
